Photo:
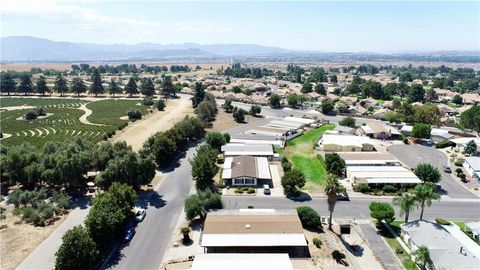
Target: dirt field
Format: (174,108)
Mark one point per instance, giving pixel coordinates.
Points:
(225,120)
(17,241)
(137,133)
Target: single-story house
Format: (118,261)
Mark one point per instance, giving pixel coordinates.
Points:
(368,159)
(254,231)
(461,143)
(444,94)
(257,139)
(349,100)
(344,130)
(380,175)
(472,166)
(246,171)
(471,98)
(237,261)
(243,149)
(368,102)
(449,247)
(358,109)
(299,120)
(379,130)
(440,135)
(446,110)
(380,113)
(285,124)
(345,143)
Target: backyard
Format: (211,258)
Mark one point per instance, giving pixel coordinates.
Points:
(301,153)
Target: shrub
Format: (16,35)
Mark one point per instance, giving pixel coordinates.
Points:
(238,190)
(134,114)
(399,250)
(442,144)
(337,255)
(308,216)
(220,160)
(317,242)
(250,207)
(382,211)
(459,162)
(442,221)
(250,190)
(31,115)
(161,105)
(389,189)
(363,188)
(458,171)
(148,101)
(404,138)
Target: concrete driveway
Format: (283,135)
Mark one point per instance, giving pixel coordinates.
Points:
(411,155)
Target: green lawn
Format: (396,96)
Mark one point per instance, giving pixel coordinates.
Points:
(63,122)
(301,153)
(393,243)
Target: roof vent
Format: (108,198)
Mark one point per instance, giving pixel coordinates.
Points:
(247,226)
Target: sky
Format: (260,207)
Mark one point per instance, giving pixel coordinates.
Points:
(376,26)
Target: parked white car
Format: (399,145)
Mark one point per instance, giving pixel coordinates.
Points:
(140,215)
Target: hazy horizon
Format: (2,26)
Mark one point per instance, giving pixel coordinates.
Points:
(380,27)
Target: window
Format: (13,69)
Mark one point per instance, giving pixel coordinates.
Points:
(244,182)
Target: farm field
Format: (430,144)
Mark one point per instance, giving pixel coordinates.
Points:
(301,153)
(63,119)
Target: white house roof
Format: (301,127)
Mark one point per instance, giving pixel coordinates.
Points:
(247,149)
(382,175)
(474,162)
(284,124)
(254,240)
(465,140)
(444,243)
(241,261)
(304,121)
(345,140)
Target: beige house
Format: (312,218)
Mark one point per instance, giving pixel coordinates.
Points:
(471,98)
(345,143)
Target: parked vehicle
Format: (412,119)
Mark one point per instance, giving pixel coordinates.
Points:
(342,197)
(129,234)
(447,169)
(140,215)
(266,190)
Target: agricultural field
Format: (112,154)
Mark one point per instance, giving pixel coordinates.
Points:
(301,153)
(65,119)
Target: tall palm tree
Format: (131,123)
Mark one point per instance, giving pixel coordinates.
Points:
(332,188)
(424,194)
(422,257)
(406,202)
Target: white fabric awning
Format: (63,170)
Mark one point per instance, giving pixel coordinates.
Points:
(253,240)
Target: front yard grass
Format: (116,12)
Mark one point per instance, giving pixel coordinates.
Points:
(301,153)
(394,245)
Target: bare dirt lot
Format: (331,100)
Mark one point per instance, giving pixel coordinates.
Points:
(137,133)
(17,241)
(225,120)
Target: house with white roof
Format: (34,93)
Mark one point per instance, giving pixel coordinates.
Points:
(345,143)
(449,247)
(472,166)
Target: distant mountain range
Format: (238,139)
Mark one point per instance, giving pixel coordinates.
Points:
(33,49)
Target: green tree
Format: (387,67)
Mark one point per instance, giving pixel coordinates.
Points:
(427,173)
(78,250)
(274,101)
(255,110)
(424,194)
(131,87)
(215,140)
(471,148)
(7,84)
(161,104)
(308,216)
(292,181)
(78,86)
(327,106)
(334,164)
(382,211)
(20,164)
(199,94)
(60,85)
(197,205)
(431,95)
(239,115)
(428,114)
(203,166)
(333,79)
(25,85)
(114,88)
(416,93)
(320,89)
(306,87)
(163,148)
(470,118)
(147,88)
(457,99)
(42,87)
(422,257)
(406,202)
(332,188)
(227,106)
(168,89)
(96,87)
(124,196)
(422,131)
(347,122)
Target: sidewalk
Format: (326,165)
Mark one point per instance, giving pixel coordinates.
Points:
(43,257)
(379,248)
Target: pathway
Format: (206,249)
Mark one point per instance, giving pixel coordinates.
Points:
(87,113)
(380,249)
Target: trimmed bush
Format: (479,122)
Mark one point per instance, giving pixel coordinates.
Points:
(134,114)
(459,163)
(389,189)
(363,188)
(31,115)
(399,250)
(317,242)
(337,255)
(442,221)
(148,101)
(308,216)
(250,190)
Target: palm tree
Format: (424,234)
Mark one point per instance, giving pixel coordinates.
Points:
(422,256)
(424,194)
(332,188)
(406,202)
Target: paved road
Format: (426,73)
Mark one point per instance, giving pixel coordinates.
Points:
(380,249)
(43,256)
(164,207)
(412,155)
(467,209)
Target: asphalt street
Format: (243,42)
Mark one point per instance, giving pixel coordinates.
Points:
(411,155)
(468,209)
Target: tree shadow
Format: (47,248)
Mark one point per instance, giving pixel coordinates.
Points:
(115,257)
(151,198)
(80,201)
(299,197)
(356,250)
